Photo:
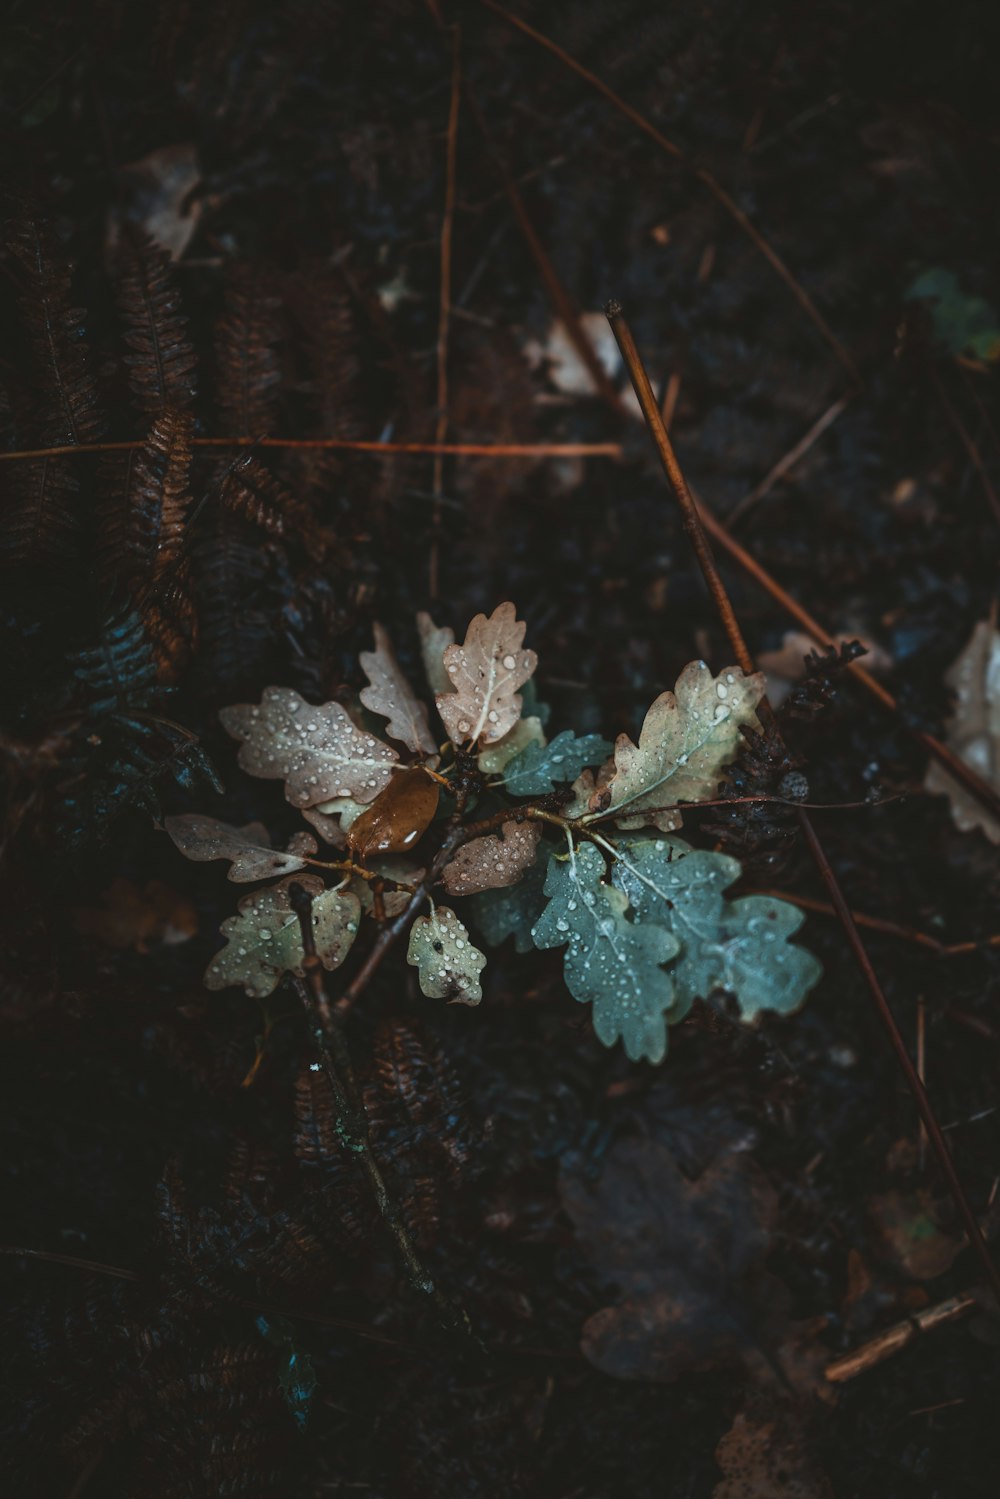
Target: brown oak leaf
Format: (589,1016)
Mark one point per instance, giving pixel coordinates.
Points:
(485,672)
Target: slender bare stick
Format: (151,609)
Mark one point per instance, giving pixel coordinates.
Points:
(716,587)
(444,301)
(703,176)
(785,464)
(345,445)
(892,1339)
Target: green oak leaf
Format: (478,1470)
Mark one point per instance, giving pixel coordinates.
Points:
(611,963)
(741,945)
(687,736)
(448,964)
(264,940)
(538,767)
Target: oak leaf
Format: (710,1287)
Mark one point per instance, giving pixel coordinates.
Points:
(318,752)
(611,962)
(539,766)
(973,729)
(687,737)
(491,863)
(264,940)
(434,641)
(485,672)
(448,964)
(203,839)
(741,945)
(390,696)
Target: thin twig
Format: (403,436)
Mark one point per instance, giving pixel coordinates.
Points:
(787,463)
(701,173)
(345,445)
(879,924)
(352,1121)
(892,1339)
(692,525)
(444,302)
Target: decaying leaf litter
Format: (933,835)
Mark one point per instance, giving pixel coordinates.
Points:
(883,529)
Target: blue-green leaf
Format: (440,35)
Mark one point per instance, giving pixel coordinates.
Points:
(741,946)
(611,962)
(538,767)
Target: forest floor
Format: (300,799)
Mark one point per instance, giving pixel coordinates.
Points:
(384,227)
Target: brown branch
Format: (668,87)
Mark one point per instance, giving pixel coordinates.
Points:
(346,445)
(791,458)
(444,305)
(352,1121)
(701,173)
(692,525)
(893,1339)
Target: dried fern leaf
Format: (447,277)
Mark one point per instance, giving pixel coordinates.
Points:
(39,513)
(247,353)
(68,408)
(161,361)
(143,516)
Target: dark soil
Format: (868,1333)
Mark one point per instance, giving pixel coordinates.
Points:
(863,142)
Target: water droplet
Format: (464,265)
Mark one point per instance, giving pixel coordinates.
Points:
(509,663)
(463,727)
(722,689)
(493,716)
(562,926)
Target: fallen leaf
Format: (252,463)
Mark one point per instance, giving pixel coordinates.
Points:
(264,940)
(765,1454)
(496,757)
(390,867)
(687,737)
(685,1258)
(155,916)
(398,817)
(447,962)
(158,192)
(973,730)
(318,752)
(485,672)
(203,839)
(492,862)
(391,697)
(511,911)
(908,1223)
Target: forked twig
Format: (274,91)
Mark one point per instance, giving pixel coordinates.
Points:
(693,526)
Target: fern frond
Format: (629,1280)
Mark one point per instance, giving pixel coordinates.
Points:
(39,523)
(161,363)
(247,354)
(68,409)
(250,491)
(143,510)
